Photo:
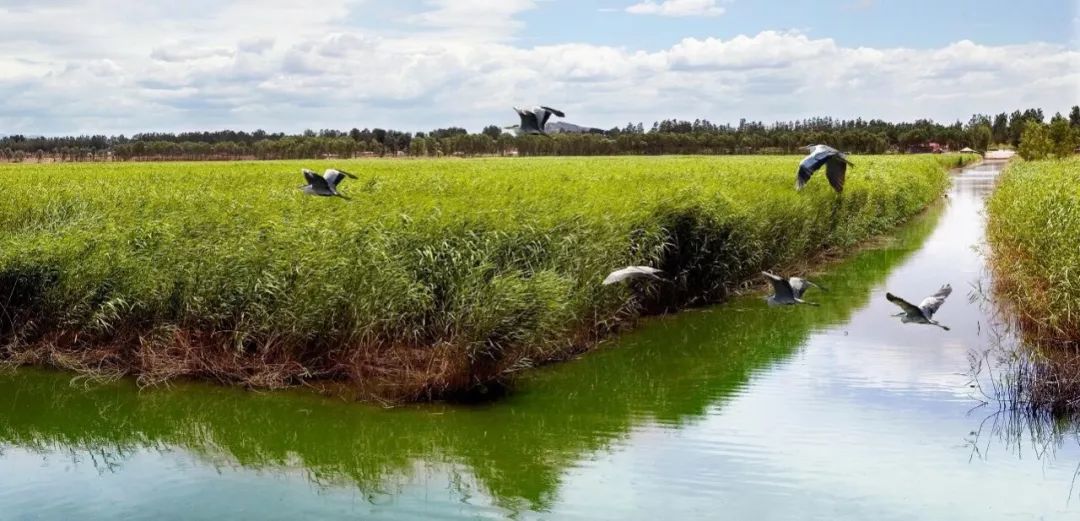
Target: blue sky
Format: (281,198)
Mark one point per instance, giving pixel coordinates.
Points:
(70,66)
(874,23)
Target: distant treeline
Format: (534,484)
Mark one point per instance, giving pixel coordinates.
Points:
(664,137)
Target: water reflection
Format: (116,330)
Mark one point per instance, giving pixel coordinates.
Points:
(1021,413)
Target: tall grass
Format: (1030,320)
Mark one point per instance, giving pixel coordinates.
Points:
(1033,229)
(436,276)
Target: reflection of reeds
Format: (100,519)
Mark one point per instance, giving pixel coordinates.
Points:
(1032,409)
(1032,394)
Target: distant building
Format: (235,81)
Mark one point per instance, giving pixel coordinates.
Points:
(927,148)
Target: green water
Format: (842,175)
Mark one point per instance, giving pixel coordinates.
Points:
(736,412)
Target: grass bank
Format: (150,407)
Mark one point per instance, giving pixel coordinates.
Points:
(437,277)
(1033,226)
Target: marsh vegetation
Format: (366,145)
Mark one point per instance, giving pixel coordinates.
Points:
(435,278)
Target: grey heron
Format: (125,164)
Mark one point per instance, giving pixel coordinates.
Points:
(535,119)
(325,185)
(633,272)
(834,161)
(788,291)
(924,312)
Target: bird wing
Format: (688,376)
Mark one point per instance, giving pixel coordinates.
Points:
(811,164)
(334,177)
(545,114)
(557,112)
(318,183)
(908,307)
(781,286)
(631,272)
(646,271)
(800,285)
(529,122)
(931,304)
(310,176)
(615,276)
(836,171)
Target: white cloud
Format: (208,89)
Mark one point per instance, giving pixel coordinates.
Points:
(768,49)
(68,67)
(187,51)
(474,19)
(677,8)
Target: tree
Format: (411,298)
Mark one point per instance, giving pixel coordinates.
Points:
(980,136)
(1074,117)
(1000,129)
(1035,142)
(418,147)
(1062,137)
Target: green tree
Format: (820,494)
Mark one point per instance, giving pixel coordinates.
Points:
(1000,128)
(1074,117)
(1062,136)
(1035,142)
(980,136)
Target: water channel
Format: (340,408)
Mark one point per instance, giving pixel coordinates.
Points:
(740,411)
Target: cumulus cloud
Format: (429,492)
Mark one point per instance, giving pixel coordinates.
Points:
(461,67)
(677,8)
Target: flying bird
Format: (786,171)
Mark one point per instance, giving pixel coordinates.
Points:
(924,312)
(633,272)
(325,185)
(535,119)
(835,163)
(788,291)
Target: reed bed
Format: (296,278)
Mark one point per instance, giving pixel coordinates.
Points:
(1033,226)
(437,277)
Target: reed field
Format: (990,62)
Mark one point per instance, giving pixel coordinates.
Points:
(1034,223)
(436,277)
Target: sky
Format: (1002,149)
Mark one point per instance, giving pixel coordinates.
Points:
(113,66)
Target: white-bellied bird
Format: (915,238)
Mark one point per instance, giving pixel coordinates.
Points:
(788,291)
(535,119)
(325,185)
(633,272)
(834,161)
(924,312)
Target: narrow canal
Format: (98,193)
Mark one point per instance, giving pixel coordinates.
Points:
(736,412)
